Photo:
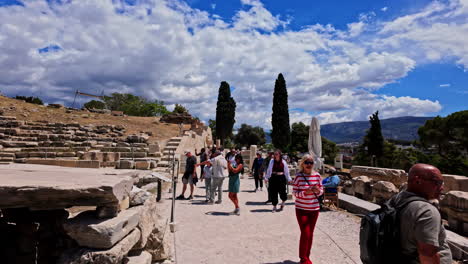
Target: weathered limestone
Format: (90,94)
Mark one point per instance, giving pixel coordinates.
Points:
(148,218)
(348,187)
(142,165)
(455,205)
(49,187)
(356,205)
(362,187)
(140,138)
(455,183)
(458,245)
(153,148)
(66,163)
(397,177)
(125,164)
(110,256)
(89,231)
(138,196)
(143,258)
(382,191)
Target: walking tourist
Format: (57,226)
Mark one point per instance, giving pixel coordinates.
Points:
(231,156)
(423,238)
(207,173)
(257,173)
(190,175)
(307,189)
(234,181)
(278,177)
(219,172)
(203,157)
(266,163)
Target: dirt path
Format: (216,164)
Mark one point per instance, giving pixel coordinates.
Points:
(208,234)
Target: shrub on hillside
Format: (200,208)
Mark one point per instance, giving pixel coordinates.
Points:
(30,99)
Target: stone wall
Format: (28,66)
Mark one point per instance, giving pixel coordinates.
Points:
(397,177)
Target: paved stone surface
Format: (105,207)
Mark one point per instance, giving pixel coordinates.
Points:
(207,234)
(39,186)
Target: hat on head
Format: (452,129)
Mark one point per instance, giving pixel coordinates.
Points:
(187,151)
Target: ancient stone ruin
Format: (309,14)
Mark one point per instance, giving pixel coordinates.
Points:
(52,214)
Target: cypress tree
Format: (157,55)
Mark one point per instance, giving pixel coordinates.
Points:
(225,112)
(281,131)
(374,139)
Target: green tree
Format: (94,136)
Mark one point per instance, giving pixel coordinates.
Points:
(281,131)
(248,135)
(212,125)
(330,150)
(135,105)
(179,109)
(374,140)
(299,137)
(225,112)
(94,104)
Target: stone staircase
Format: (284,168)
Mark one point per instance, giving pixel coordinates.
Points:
(168,150)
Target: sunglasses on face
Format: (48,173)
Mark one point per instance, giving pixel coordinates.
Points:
(308,162)
(435,181)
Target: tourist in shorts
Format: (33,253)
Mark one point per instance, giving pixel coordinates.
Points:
(190,175)
(307,188)
(234,181)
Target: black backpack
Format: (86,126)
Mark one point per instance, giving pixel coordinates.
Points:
(379,236)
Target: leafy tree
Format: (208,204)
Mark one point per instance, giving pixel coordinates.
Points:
(225,112)
(329,150)
(374,140)
(94,104)
(212,125)
(248,135)
(179,109)
(30,99)
(135,105)
(299,137)
(281,131)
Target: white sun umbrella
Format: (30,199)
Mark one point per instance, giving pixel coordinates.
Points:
(315,142)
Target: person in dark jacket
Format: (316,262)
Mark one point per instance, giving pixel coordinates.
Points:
(257,172)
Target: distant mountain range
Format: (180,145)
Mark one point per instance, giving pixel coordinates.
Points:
(400,128)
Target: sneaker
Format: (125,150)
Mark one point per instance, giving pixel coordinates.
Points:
(261,189)
(274,209)
(210,202)
(237,211)
(218,202)
(180,197)
(256,189)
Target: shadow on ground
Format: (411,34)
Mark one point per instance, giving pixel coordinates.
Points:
(218,213)
(261,211)
(283,262)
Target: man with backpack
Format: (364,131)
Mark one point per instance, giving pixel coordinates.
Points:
(408,228)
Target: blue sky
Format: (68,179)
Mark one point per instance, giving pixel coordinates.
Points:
(342,60)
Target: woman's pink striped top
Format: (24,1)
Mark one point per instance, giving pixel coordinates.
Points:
(302,182)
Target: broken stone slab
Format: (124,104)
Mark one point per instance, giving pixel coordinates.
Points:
(362,187)
(148,218)
(394,176)
(89,231)
(455,183)
(383,190)
(111,256)
(125,164)
(142,258)
(138,196)
(356,205)
(142,165)
(49,187)
(18,144)
(458,245)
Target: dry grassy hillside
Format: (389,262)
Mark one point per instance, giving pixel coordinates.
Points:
(133,124)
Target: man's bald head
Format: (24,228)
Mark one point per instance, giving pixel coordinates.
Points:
(424,171)
(425,180)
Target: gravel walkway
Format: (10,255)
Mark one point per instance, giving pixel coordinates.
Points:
(208,234)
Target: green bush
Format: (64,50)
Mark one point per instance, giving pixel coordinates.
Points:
(30,99)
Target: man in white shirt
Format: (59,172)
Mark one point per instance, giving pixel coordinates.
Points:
(220,172)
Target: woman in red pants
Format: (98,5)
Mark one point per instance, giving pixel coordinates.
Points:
(307,188)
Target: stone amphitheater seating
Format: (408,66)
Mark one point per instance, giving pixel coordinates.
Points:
(69,144)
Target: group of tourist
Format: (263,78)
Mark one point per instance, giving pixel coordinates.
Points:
(422,239)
